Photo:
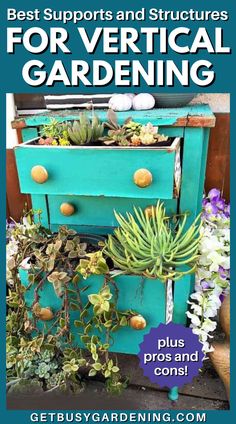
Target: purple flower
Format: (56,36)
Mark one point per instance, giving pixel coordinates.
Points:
(205,285)
(222,297)
(214,194)
(10,224)
(215,208)
(223,273)
(211,208)
(227,210)
(220,204)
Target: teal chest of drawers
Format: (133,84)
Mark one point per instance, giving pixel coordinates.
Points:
(97,180)
(81,186)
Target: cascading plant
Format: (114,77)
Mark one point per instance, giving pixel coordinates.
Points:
(41,354)
(149,243)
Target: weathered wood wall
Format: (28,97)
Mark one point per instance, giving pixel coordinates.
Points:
(15,200)
(218,163)
(218,168)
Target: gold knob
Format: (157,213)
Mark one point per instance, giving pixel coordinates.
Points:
(39,174)
(67,209)
(138,322)
(143,177)
(150,211)
(45,314)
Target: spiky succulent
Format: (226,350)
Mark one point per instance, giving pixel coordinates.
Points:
(150,244)
(85,130)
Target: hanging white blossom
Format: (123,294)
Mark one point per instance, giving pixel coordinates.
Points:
(213,272)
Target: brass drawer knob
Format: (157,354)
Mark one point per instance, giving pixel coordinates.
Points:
(150,211)
(143,177)
(67,209)
(39,174)
(137,322)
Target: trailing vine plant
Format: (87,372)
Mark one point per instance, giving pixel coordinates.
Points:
(40,343)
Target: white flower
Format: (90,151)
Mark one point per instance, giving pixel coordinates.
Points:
(194,319)
(216,259)
(226,262)
(12,247)
(207,348)
(203,274)
(210,243)
(214,250)
(197,296)
(196,309)
(209,325)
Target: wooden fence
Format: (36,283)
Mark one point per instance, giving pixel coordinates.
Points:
(218,163)
(217,175)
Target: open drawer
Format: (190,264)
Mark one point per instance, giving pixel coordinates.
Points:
(99,171)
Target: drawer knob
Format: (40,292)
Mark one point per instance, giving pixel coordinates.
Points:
(39,174)
(143,177)
(67,209)
(138,322)
(150,211)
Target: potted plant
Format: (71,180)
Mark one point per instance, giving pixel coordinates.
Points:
(90,131)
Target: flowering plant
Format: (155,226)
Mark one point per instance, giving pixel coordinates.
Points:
(213,271)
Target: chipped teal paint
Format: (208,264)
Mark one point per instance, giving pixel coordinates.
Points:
(193,176)
(100,172)
(206,134)
(142,295)
(162,117)
(193,170)
(29,133)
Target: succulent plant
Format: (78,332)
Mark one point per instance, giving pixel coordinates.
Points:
(55,134)
(70,366)
(59,281)
(94,263)
(100,301)
(112,121)
(43,370)
(131,133)
(151,246)
(75,248)
(85,130)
